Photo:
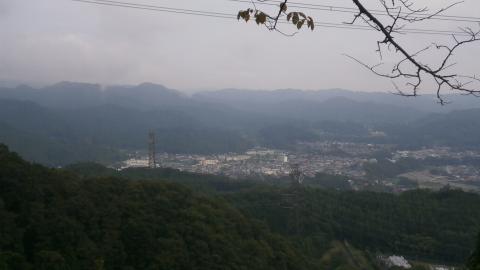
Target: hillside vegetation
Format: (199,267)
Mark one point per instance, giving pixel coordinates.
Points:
(56,219)
(420,224)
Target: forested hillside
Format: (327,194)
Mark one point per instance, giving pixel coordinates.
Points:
(434,226)
(54,220)
(474,261)
(420,224)
(139,219)
(56,137)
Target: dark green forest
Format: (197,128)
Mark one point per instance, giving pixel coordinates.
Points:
(91,217)
(54,220)
(474,260)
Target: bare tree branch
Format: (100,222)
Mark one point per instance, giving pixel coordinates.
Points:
(409,68)
(443,80)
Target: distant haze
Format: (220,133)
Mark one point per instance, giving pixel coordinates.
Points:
(47,41)
(70,122)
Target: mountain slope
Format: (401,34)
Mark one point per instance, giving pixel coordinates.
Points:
(53,220)
(72,135)
(420,224)
(457,128)
(474,261)
(255,99)
(72,122)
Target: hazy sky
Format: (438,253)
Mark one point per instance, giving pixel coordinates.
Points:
(45,41)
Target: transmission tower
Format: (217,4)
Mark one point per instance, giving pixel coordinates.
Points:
(151,150)
(293,198)
(296,175)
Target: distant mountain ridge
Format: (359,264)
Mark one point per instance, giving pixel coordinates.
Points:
(71,122)
(427,102)
(77,95)
(289,104)
(146,95)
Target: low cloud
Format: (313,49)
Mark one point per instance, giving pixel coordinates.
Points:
(57,40)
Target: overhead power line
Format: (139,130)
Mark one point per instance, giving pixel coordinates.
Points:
(333,8)
(221,15)
(156,8)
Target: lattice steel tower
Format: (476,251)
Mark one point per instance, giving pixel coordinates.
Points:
(151,150)
(296,175)
(293,198)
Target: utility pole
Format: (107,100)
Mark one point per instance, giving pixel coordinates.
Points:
(151,150)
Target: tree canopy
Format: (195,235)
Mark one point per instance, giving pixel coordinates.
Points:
(90,217)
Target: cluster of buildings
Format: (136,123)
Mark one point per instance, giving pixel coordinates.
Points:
(336,158)
(463,173)
(400,262)
(333,158)
(253,162)
(436,152)
(395,261)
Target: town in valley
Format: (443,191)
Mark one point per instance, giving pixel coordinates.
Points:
(432,168)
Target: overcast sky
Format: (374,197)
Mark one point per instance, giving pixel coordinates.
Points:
(46,41)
